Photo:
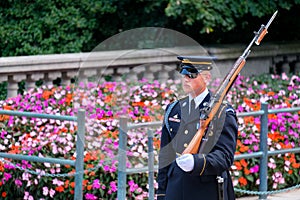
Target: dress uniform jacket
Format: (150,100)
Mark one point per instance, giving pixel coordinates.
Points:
(215,160)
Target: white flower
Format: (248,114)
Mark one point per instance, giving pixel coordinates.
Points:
(45,191)
(235,182)
(47,165)
(32,133)
(278,146)
(57,96)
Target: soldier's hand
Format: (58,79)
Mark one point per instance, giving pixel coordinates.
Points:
(186,162)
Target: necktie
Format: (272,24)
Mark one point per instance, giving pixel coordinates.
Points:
(193,110)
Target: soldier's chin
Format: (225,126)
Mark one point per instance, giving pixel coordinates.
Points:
(187,89)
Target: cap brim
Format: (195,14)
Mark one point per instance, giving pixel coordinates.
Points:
(185,72)
(188,69)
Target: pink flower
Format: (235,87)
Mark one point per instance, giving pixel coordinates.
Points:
(7,176)
(89,196)
(113,186)
(18,182)
(52,192)
(57,182)
(45,191)
(284,76)
(132,186)
(96,184)
(254,169)
(27,196)
(272,164)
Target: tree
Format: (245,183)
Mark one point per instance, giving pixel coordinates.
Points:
(222,13)
(30,27)
(43,27)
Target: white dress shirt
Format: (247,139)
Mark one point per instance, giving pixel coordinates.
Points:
(198,99)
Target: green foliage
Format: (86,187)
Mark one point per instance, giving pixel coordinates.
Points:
(3,90)
(44,27)
(221,14)
(64,26)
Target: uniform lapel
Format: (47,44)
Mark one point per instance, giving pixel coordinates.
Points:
(206,99)
(184,108)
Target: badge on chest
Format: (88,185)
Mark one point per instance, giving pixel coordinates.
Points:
(174,119)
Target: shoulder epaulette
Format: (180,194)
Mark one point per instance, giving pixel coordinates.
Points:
(230,110)
(229,107)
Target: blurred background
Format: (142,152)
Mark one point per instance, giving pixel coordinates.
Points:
(67,26)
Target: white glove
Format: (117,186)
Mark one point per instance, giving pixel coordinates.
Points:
(186,162)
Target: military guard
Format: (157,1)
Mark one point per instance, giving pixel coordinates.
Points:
(205,175)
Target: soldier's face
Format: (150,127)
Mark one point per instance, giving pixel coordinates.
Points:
(197,85)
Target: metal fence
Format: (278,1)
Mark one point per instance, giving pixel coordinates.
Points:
(78,163)
(262,154)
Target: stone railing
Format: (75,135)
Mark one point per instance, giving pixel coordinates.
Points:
(151,64)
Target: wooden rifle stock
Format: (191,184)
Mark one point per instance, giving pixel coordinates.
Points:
(215,102)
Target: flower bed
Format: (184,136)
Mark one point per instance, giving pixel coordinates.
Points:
(283,131)
(141,102)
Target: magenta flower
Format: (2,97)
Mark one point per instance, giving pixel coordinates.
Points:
(106,168)
(113,186)
(132,186)
(96,184)
(18,182)
(254,169)
(7,176)
(89,196)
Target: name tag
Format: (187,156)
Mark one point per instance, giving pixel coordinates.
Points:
(171,119)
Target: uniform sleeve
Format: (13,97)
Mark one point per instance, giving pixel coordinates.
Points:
(221,157)
(166,157)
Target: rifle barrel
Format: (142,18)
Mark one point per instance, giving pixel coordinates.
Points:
(216,100)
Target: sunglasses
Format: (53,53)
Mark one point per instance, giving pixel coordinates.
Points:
(191,76)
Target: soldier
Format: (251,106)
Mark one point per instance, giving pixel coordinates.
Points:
(202,176)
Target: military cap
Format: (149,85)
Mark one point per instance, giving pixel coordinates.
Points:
(193,65)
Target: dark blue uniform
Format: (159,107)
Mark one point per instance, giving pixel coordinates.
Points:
(214,158)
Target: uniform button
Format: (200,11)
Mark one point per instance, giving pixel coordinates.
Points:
(186,132)
(185,145)
(171,129)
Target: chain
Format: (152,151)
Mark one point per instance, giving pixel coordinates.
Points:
(41,173)
(266,192)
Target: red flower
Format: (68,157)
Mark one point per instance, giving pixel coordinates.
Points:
(4,194)
(59,189)
(243,181)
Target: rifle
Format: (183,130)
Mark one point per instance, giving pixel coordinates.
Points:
(212,107)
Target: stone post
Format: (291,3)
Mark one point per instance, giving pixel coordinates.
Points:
(50,76)
(297,66)
(32,78)
(122,73)
(285,67)
(12,85)
(163,75)
(67,76)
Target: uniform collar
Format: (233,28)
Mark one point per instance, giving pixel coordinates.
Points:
(198,99)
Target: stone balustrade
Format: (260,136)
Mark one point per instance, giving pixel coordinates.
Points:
(159,64)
